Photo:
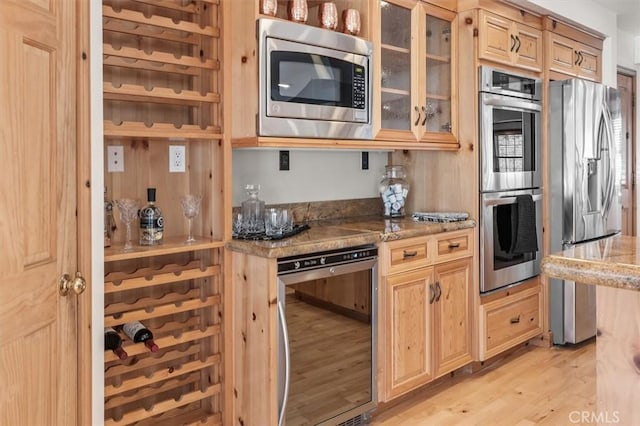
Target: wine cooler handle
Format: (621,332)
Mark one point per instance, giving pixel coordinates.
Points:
(66,284)
(287,364)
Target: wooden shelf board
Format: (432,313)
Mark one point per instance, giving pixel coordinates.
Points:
(160,57)
(159,21)
(438,97)
(395,91)
(164,406)
(185,417)
(165,356)
(395,48)
(164,342)
(170,246)
(117,26)
(168,4)
(119,62)
(134,92)
(112,309)
(161,375)
(159,279)
(439,58)
(160,131)
(162,310)
(167,385)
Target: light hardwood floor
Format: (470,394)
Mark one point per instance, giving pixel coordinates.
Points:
(533,386)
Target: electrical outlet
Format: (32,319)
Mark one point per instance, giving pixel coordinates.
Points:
(177,159)
(284,160)
(115,158)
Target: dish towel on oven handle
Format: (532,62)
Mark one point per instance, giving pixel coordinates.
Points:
(525,237)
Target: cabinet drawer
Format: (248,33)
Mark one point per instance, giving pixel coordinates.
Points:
(453,245)
(403,256)
(509,321)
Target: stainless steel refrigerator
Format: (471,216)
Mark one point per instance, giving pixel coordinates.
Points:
(584,138)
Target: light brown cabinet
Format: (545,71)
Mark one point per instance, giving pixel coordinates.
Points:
(510,317)
(162,87)
(417,74)
(425,310)
(508,42)
(573,58)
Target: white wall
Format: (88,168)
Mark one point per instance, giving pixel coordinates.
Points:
(312,176)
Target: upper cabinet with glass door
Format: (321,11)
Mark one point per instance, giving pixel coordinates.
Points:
(417,70)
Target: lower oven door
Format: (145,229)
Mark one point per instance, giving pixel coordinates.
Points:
(327,339)
(503,261)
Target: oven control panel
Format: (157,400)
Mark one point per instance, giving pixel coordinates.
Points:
(327,258)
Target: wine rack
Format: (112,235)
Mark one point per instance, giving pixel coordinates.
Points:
(162,86)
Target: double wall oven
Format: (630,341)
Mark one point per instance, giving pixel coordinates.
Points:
(510,178)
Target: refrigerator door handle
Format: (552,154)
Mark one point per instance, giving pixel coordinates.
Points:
(610,186)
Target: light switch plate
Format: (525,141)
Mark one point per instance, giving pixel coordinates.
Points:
(177,159)
(115,158)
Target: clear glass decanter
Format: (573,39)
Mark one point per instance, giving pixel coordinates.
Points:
(253,211)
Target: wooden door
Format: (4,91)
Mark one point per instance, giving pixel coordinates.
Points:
(528,49)
(37,212)
(495,38)
(408,329)
(588,62)
(452,316)
(561,54)
(627,172)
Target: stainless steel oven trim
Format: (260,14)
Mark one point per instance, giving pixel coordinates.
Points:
(486,84)
(494,181)
(293,278)
(301,125)
(489,279)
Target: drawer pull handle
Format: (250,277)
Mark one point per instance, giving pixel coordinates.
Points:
(453,245)
(433,294)
(515,320)
(406,254)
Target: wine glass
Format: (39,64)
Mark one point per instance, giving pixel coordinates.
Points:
(190,208)
(128,213)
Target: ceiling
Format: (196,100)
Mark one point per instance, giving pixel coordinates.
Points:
(627,11)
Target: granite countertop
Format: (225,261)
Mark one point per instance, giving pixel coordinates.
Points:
(339,233)
(612,262)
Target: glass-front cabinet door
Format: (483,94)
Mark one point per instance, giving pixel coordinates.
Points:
(417,73)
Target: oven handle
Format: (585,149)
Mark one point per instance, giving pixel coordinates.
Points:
(509,200)
(510,103)
(287,363)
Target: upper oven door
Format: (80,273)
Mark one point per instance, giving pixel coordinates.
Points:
(509,143)
(311,82)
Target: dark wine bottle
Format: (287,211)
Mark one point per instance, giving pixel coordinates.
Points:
(113,341)
(137,332)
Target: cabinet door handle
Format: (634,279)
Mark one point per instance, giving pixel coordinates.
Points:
(407,254)
(417,119)
(424,120)
(453,246)
(433,294)
(513,42)
(438,291)
(581,58)
(515,320)
(577,57)
(518,46)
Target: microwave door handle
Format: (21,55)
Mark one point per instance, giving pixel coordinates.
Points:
(287,364)
(509,200)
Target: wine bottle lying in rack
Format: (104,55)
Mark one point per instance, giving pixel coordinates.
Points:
(113,342)
(137,332)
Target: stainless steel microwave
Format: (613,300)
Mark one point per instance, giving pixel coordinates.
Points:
(314,83)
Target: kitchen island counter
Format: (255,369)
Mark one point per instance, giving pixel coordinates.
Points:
(611,262)
(613,266)
(339,233)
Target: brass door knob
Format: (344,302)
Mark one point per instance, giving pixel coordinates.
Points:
(78,284)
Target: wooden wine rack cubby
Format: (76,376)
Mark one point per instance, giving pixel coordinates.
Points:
(163,86)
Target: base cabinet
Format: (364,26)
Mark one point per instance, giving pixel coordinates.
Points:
(425,311)
(510,319)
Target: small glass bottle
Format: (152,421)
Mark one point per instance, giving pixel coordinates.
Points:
(108,219)
(394,190)
(253,211)
(151,221)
